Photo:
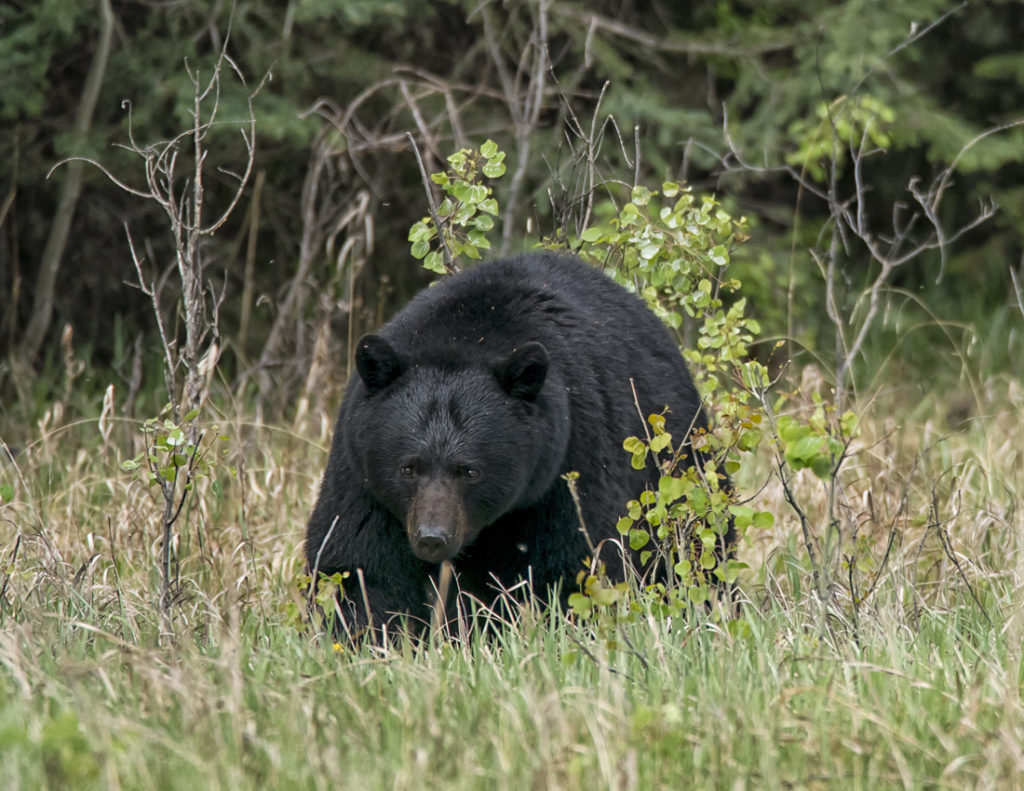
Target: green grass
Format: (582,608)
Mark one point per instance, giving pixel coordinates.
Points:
(922,689)
(258,704)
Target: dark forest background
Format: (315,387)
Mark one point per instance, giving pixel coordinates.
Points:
(778,108)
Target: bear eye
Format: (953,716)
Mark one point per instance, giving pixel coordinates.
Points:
(469,472)
(408,471)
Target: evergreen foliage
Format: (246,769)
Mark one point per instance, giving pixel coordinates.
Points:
(711,88)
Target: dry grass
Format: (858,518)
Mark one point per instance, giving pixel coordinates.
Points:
(921,690)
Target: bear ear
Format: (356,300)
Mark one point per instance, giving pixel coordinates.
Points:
(522,374)
(378,364)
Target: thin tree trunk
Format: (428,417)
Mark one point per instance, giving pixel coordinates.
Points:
(248,284)
(42,307)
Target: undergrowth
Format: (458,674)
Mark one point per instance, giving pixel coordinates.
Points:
(881,575)
(922,691)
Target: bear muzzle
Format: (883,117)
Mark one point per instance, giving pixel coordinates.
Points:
(430,543)
(436,525)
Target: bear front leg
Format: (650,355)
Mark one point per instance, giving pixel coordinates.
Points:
(378,611)
(382,582)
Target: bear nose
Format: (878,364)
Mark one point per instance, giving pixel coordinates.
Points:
(431,542)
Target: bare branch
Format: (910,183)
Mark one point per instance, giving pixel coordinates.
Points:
(524,104)
(248,139)
(151,292)
(102,169)
(449,263)
(1017,290)
(596,22)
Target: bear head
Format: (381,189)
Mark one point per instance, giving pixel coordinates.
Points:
(451,446)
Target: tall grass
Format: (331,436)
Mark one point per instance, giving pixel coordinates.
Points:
(922,689)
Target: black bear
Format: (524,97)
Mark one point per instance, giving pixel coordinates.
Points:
(469,406)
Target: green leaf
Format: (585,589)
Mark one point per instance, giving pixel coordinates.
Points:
(749,440)
(478,239)
(606,597)
(738,628)
(672,489)
(638,539)
(744,516)
(640,196)
(434,261)
(790,430)
(649,250)
(821,466)
(421,231)
(463,192)
(580,604)
(805,449)
(632,444)
(7,492)
(660,442)
(419,249)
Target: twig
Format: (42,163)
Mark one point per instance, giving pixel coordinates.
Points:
(439,612)
(448,263)
(1017,290)
(7,577)
(150,291)
(661,43)
(892,533)
(631,647)
(315,571)
(947,547)
(787,490)
(575,495)
(417,116)
(366,597)
(590,655)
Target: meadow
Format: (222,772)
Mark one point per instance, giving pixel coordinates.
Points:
(915,681)
(155,638)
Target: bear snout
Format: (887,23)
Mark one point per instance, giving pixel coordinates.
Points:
(431,543)
(437,525)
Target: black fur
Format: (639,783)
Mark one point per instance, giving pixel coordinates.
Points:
(468,408)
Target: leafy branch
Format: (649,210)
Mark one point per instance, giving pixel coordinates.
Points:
(460,224)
